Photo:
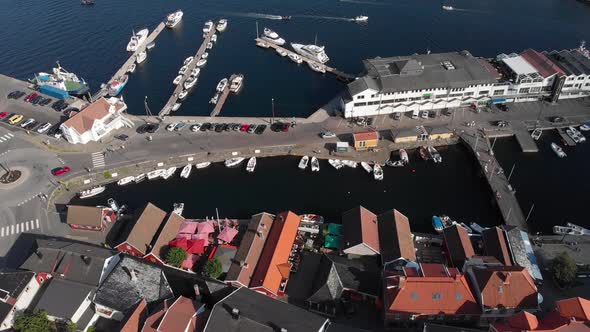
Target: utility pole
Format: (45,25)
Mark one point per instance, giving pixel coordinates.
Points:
(272,100)
(530,211)
(512,170)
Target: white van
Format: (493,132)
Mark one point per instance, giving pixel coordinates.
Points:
(415,114)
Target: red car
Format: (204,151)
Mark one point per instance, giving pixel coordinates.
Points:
(60,170)
(285,127)
(244,127)
(3,115)
(31,97)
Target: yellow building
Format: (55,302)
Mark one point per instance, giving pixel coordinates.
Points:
(366,140)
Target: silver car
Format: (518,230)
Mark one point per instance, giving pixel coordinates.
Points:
(43,128)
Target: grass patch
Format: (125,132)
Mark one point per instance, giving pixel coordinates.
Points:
(107,175)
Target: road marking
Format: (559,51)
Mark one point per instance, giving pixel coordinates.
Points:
(36,220)
(19,228)
(61,161)
(11,229)
(2,139)
(27,226)
(10,134)
(98,159)
(2,232)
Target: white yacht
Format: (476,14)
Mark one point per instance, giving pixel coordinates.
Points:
(316,67)
(174,18)
(186,171)
(182,70)
(195,72)
(303,162)
(92,192)
(311,51)
(448,8)
(188,60)
(558,150)
(337,164)
(403,155)
(262,44)
(137,39)
(205,55)
(139,178)
(315,164)
(585,127)
(214,99)
(281,52)
(168,173)
(182,94)
(202,165)
(272,37)
(295,58)
(209,45)
(141,56)
(233,162)
(201,63)
(236,83)
(221,85)
(176,107)
(434,155)
(572,135)
(214,38)
(251,164)
(190,82)
(221,25)
(377,172)
(155,174)
(208,26)
(581,138)
(125,180)
(536,134)
(361,18)
(177,79)
(131,69)
(367,167)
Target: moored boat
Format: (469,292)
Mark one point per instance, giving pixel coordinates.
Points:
(91,192)
(155,174)
(61,79)
(176,106)
(174,18)
(565,230)
(464,225)
(397,163)
(422,151)
(201,63)
(131,69)
(236,83)
(311,51)
(117,85)
(316,67)
(403,155)
(303,162)
(186,171)
(182,94)
(214,99)
(558,150)
(221,85)
(188,60)
(208,27)
(377,172)
(251,164)
(585,127)
(177,80)
(434,154)
(168,173)
(137,39)
(476,227)
(272,37)
(202,165)
(367,167)
(441,222)
(221,25)
(190,82)
(178,208)
(125,180)
(141,56)
(315,164)
(262,44)
(150,45)
(281,52)
(579,136)
(182,70)
(337,164)
(536,134)
(139,178)
(295,58)
(349,163)
(233,161)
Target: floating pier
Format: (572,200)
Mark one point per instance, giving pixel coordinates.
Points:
(223,97)
(125,68)
(174,98)
(566,139)
(308,60)
(525,140)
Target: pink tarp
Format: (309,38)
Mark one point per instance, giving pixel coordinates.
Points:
(181,243)
(196,246)
(186,236)
(188,227)
(227,234)
(190,261)
(205,227)
(203,236)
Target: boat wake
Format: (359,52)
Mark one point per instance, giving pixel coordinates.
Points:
(327,17)
(362,2)
(257,15)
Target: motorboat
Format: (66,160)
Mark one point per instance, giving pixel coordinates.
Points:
(422,151)
(205,55)
(303,162)
(188,60)
(113,204)
(337,164)
(295,58)
(349,163)
(477,228)
(404,156)
(182,70)
(436,157)
(176,107)
(583,230)
(397,163)
(315,164)
(281,51)
(173,19)
(117,85)
(186,171)
(131,69)
(208,27)
(178,208)
(190,82)
(215,99)
(214,38)
(168,173)
(585,127)
(564,230)
(262,44)
(125,180)
(316,67)
(139,178)
(581,138)
(201,63)
(285,17)
(272,37)
(377,172)
(196,72)
(137,39)
(91,192)
(155,174)
(251,164)
(177,79)
(202,165)
(572,135)
(367,167)
(87,2)
(558,150)
(221,25)
(312,219)
(182,94)
(141,56)
(221,85)
(439,223)
(361,18)
(448,8)
(311,51)
(150,45)
(536,134)
(236,83)
(233,162)
(209,45)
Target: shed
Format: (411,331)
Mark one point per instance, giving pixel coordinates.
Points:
(342,146)
(365,140)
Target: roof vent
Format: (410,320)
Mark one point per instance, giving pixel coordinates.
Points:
(235,313)
(448,65)
(85,259)
(133,275)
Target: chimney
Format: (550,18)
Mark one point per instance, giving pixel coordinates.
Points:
(235,313)
(507,276)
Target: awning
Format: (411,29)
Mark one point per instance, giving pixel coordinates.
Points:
(227,234)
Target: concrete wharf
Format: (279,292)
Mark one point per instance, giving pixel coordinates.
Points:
(496,178)
(223,97)
(565,138)
(525,140)
(174,98)
(130,61)
(308,60)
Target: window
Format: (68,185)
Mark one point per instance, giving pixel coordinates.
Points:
(500,289)
(484,92)
(459,296)
(372,96)
(440,317)
(436,296)
(466,94)
(455,95)
(581,78)
(441,96)
(414,296)
(536,89)
(360,104)
(587,84)
(360,97)
(524,90)
(568,85)
(397,316)
(401,99)
(415,98)
(362,144)
(498,92)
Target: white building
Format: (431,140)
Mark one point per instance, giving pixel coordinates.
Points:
(17,290)
(95,121)
(576,65)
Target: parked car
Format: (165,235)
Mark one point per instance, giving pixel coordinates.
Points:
(142,129)
(171,126)
(424,114)
(37,100)
(557,119)
(219,127)
(327,134)
(236,126)
(31,97)
(179,126)
(361,121)
(152,127)
(122,137)
(260,129)
(244,127)
(206,126)
(432,114)
(45,101)
(44,127)
(195,127)
(60,170)
(15,119)
(12,95)
(31,125)
(276,127)
(3,115)
(502,124)
(369,121)
(415,114)
(27,122)
(252,128)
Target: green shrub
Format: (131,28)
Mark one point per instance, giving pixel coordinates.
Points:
(175,256)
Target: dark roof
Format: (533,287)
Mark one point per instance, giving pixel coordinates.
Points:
(258,312)
(495,245)
(337,327)
(145,228)
(84,215)
(120,292)
(69,260)
(360,226)
(571,61)
(85,317)
(12,284)
(62,298)
(458,245)
(395,237)
(428,327)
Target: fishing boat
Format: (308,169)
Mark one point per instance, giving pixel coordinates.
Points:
(558,150)
(201,63)
(173,19)
(262,44)
(337,164)
(441,222)
(139,178)
(202,165)
(236,83)
(434,154)
(272,37)
(155,174)
(182,94)
(91,192)
(221,85)
(315,164)
(366,167)
(349,163)
(476,227)
(62,80)
(536,134)
(233,162)
(176,106)
(125,180)
(208,27)
(251,164)
(316,67)
(448,8)
(377,172)
(281,52)
(404,156)
(186,171)
(141,56)
(361,18)
(422,151)
(188,60)
(178,208)
(215,99)
(150,45)
(137,39)
(585,127)
(303,162)
(190,82)
(131,69)
(117,85)
(177,79)
(221,25)
(168,173)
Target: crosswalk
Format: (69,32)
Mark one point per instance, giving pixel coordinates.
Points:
(26,226)
(98,159)
(6,137)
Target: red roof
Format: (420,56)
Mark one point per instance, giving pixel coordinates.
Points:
(360,226)
(179,242)
(227,234)
(136,318)
(196,246)
(366,136)
(542,64)
(178,317)
(524,320)
(576,307)
(506,287)
(190,261)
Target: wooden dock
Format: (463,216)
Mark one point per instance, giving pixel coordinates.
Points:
(308,60)
(125,67)
(168,106)
(223,97)
(525,140)
(565,138)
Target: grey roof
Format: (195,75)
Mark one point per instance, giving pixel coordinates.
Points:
(69,260)
(86,317)
(62,298)
(258,312)
(12,282)
(121,293)
(521,250)
(571,61)
(422,71)
(225,255)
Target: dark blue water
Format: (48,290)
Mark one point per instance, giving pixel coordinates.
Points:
(90,41)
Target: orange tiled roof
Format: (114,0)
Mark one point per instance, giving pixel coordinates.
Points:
(366,136)
(506,286)
(360,226)
(84,120)
(524,320)
(576,307)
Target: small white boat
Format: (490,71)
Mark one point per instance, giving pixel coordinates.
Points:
(186,171)
(188,60)
(137,39)
(434,155)
(182,70)
(403,155)
(337,164)
(201,63)
(176,107)
(131,69)
(448,7)
(155,174)
(208,27)
(262,44)
(251,164)
(349,163)
(125,180)
(558,150)
(150,45)
(202,165)
(315,164)
(585,127)
(281,52)
(316,67)
(573,136)
(397,163)
(190,82)
(177,79)
(139,178)
(113,204)
(272,37)
(367,167)
(303,162)
(236,84)
(92,192)
(295,58)
(205,55)
(168,173)
(361,18)
(233,162)
(536,134)
(173,19)
(214,38)
(141,56)
(221,25)
(196,72)
(178,208)
(221,85)
(182,94)
(476,227)
(564,230)
(215,99)
(209,45)
(377,172)
(580,137)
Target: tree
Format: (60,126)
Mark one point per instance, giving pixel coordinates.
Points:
(213,268)
(91,329)
(175,256)
(564,270)
(33,322)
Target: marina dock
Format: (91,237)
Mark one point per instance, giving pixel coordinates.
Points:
(308,60)
(525,140)
(223,97)
(565,138)
(174,98)
(125,67)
